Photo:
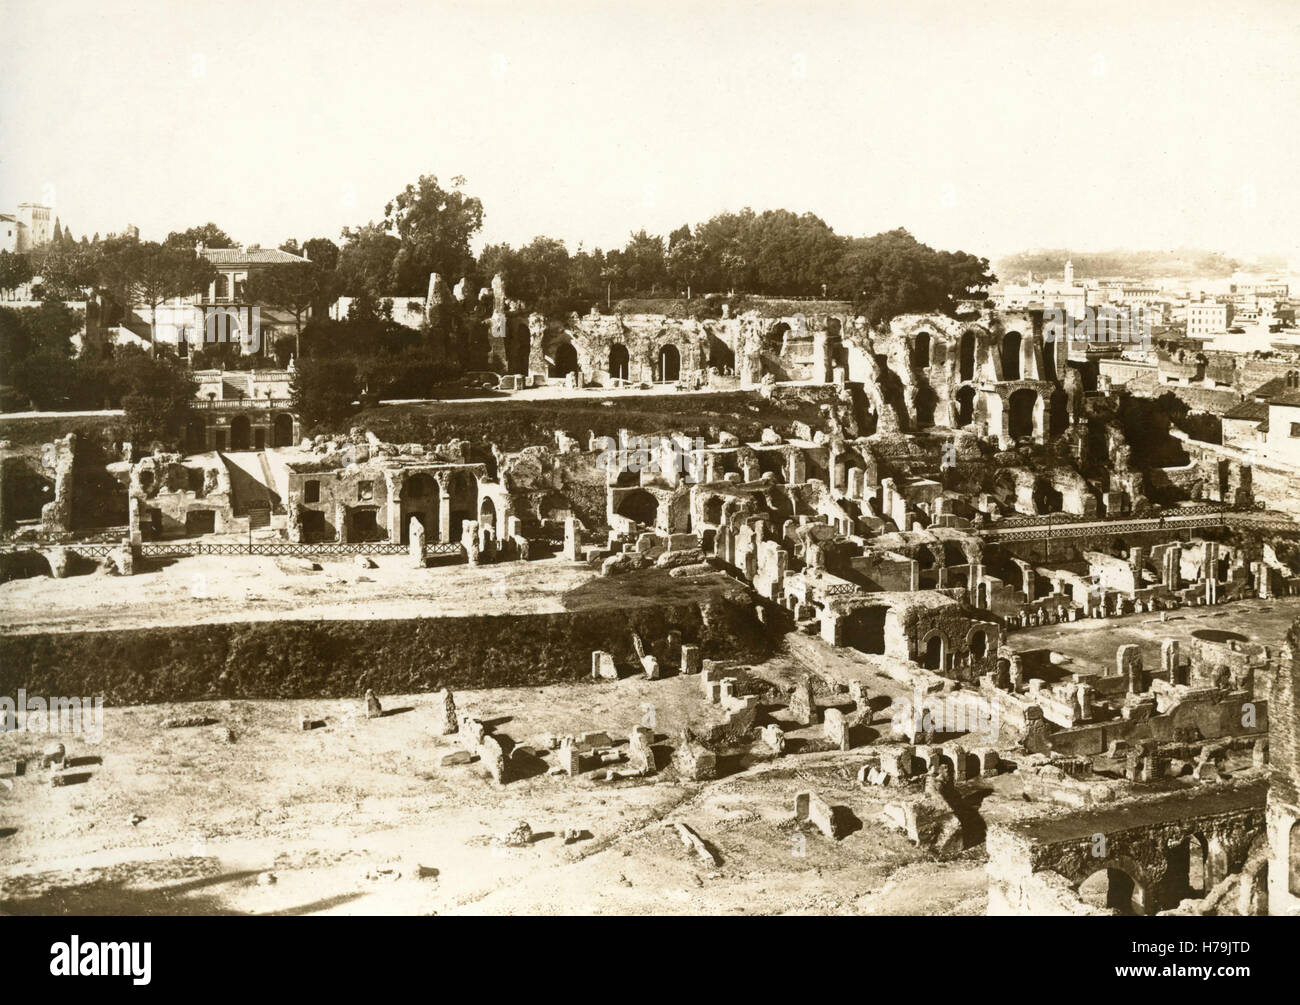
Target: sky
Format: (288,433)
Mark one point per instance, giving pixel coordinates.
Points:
(987,126)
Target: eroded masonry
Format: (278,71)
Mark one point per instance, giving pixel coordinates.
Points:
(949,526)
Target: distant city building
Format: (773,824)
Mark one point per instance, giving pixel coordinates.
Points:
(1208,318)
(222,312)
(1064,294)
(31,227)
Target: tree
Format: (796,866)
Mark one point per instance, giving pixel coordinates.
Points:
(434,227)
(295,287)
(36,358)
(209,235)
(156,395)
(155,273)
(15,269)
(323,252)
(686,262)
(365,262)
(323,390)
(894,273)
(643,262)
(66,271)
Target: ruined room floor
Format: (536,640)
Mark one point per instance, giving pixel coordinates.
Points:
(1089,645)
(360,817)
(207,589)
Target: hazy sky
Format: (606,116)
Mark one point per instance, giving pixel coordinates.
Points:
(989,126)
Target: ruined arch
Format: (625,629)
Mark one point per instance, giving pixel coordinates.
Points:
(564,360)
(965,405)
(1046,497)
(462,501)
(1122,887)
(921,350)
(487,514)
(934,650)
(619,365)
(966,356)
(669,365)
(282,430)
(419,499)
(639,507)
(1020,413)
(926,400)
(713,510)
(978,643)
(1058,413)
(1011,356)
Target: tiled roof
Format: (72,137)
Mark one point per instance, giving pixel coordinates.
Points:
(250,256)
(1254,411)
(1269,388)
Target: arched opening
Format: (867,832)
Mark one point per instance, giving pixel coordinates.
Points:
(979,644)
(1011,356)
(865,630)
(618,362)
(965,405)
(1059,413)
(1046,498)
(1112,887)
(670,364)
(282,431)
(195,435)
(487,515)
(926,399)
(462,498)
(239,432)
(779,505)
(639,507)
(934,650)
(774,341)
(921,351)
(419,501)
(713,510)
(1049,359)
(966,356)
(564,361)
(1020,407)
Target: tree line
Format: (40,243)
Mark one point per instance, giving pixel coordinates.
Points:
(428,228)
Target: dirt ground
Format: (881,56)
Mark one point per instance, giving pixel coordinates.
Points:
(1090,646)
(360,816)
(206,589)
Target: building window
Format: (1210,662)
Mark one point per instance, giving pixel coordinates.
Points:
(1295,429)
(311,491)
(365,491)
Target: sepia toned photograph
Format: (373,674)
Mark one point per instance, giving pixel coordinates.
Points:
(560,458)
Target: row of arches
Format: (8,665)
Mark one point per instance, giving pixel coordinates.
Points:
(240,435)
(666,364)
